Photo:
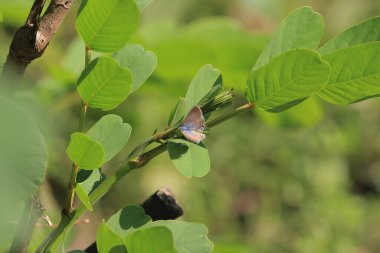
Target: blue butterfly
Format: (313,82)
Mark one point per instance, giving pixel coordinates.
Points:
(193,126)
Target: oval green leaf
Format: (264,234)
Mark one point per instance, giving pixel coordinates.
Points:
(106,26)
(90,179)
(140,62)
(287,80)
(189,237)
(178,112)
(87,181)
(365,32)
(23,161)
(151,240)
(189,158)
(130,217)
(201,85)
(85,152)
(355,74)
(83,196)
(109,242)
(112,133)
(104,84)
(303,28)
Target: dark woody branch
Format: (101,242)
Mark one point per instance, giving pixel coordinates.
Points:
(31,40)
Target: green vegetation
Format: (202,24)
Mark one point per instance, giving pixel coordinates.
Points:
(295,173)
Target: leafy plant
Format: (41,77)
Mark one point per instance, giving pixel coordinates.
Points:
(290,70)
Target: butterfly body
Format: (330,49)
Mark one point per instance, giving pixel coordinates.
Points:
(194,125)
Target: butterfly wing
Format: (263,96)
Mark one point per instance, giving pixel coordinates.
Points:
(194,120)
(193,125)
(193,136)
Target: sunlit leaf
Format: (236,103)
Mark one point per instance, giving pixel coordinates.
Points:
(355,74)
(85,152)
(201,85)
(112,133)
(367,31)
(83,196)
(130,217)
(106,26)
(109,242)
(90,179)
(87,181)
(178,113)
(302,28)
(287,80)
(151,240)
(190,159)
(140,62)
(188,237)
(104,84)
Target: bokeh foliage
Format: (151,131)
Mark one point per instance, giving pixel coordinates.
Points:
(304,180)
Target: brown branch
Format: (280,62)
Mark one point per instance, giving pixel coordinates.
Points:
(31,40)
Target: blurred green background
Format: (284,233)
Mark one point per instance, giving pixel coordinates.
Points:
(305,180)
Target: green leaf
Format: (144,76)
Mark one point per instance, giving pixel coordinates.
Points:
(85,152)
(104,84)
(23,161)
(201,85)
(140,62)
(287,80)
(365,32)
(302,28)
(130,217)
(142,3)
(112,133)
(355,74)
(83,196)
(178,113)
(189,158)
(106,26)
(87,181)
(109,242)
(189,237)
(151,240)
(90,179)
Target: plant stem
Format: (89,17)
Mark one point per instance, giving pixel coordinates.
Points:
(68,208)
(57,236)
(156,137)
(71,192)
(82,117)
(68,219)
(87,57)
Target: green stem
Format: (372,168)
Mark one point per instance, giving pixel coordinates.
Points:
(70,195)
(68,208)
(56,237)
(87,57)
(156,137)
(68,220)
(82,117)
